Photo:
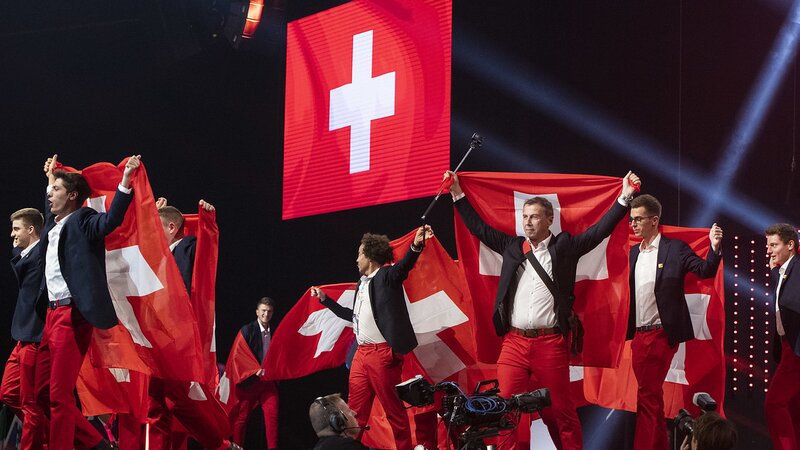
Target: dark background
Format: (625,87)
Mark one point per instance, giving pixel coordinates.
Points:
(571,87)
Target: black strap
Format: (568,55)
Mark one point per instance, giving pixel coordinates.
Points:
(551,286)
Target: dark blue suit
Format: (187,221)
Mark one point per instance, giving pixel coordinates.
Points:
(27,326)
(675,260)
(84,264)
(184,257)
(789,304)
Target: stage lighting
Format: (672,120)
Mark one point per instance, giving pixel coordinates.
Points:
(243,20)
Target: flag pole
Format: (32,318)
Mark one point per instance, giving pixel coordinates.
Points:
(475,142)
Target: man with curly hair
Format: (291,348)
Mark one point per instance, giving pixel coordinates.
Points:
(383,329)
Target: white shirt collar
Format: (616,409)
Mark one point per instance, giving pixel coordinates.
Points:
(544,244)
(783,267)
(654,244)
(261,327)
(175,244)
(28,249)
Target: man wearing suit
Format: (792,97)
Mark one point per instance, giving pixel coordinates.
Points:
(383,330)
(17,388)
(534,321)
(73,245)
(659,317)
(169,398)
(255,391)
(782,404)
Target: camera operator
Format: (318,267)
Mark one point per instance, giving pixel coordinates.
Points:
(711,432)
(335,424)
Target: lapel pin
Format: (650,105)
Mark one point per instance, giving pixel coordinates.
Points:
(660,265)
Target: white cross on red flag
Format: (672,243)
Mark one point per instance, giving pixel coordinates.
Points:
(367,104)
(698,365)
(579,201)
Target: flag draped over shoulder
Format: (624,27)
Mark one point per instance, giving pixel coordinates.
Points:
(157,333)
(698,365)
(579,201)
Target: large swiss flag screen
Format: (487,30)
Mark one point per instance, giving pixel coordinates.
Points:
(367,117)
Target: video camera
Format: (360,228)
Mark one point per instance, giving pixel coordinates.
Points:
(684,422)
(484,413)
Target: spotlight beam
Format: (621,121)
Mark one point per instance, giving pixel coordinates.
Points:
(752,115)
(525,84)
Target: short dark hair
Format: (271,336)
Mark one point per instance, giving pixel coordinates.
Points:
(543,202)
(172,214)
(377,248)
(74,182)
(266,301)
(712,432)
(319,413)
(650,204)
(784,231)
(30,217)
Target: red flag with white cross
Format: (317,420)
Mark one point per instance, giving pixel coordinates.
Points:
(367,105)
(698,365)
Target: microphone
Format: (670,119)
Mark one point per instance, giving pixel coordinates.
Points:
(704,401)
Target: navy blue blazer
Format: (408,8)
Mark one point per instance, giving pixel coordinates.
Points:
(82,256)
(565,251)
(184,257)
(789,304)
(675,259)
(252,335)
(388,304)
(27,326)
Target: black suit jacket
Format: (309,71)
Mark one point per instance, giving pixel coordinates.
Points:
(388,304)
(565,251)
(252,335)
(675,259)
(27,326)
(789,304)
(82,257)
(184,257)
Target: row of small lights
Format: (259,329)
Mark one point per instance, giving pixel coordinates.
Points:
(751,294)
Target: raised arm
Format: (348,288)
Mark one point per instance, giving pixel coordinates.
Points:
(704,268)
(589,239)
(342,312)
(496,240)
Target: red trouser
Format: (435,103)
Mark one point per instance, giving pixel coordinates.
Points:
(375,371)
(17,391)
(526,364)
(782,404)
(205,420)
(265,394)
(651,356)
(64,345)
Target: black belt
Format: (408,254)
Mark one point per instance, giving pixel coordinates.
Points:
(53,304)
(657,326)
(535,332)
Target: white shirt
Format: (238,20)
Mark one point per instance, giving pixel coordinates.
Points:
(364,325)
(266,338)
(644,283)
(56,284)
(533,305)
(28,249)
(174,244)
(781,272)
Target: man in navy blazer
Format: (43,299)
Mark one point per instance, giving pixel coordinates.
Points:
(782,403)
(77,295)
(17,388)
(659,316)
(383,329)
(534,322)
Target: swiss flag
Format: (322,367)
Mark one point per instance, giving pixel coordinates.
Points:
(579,201)
(312,338)
(367,104)
(106,391)
(203,225)
(698,365)
(157,333)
